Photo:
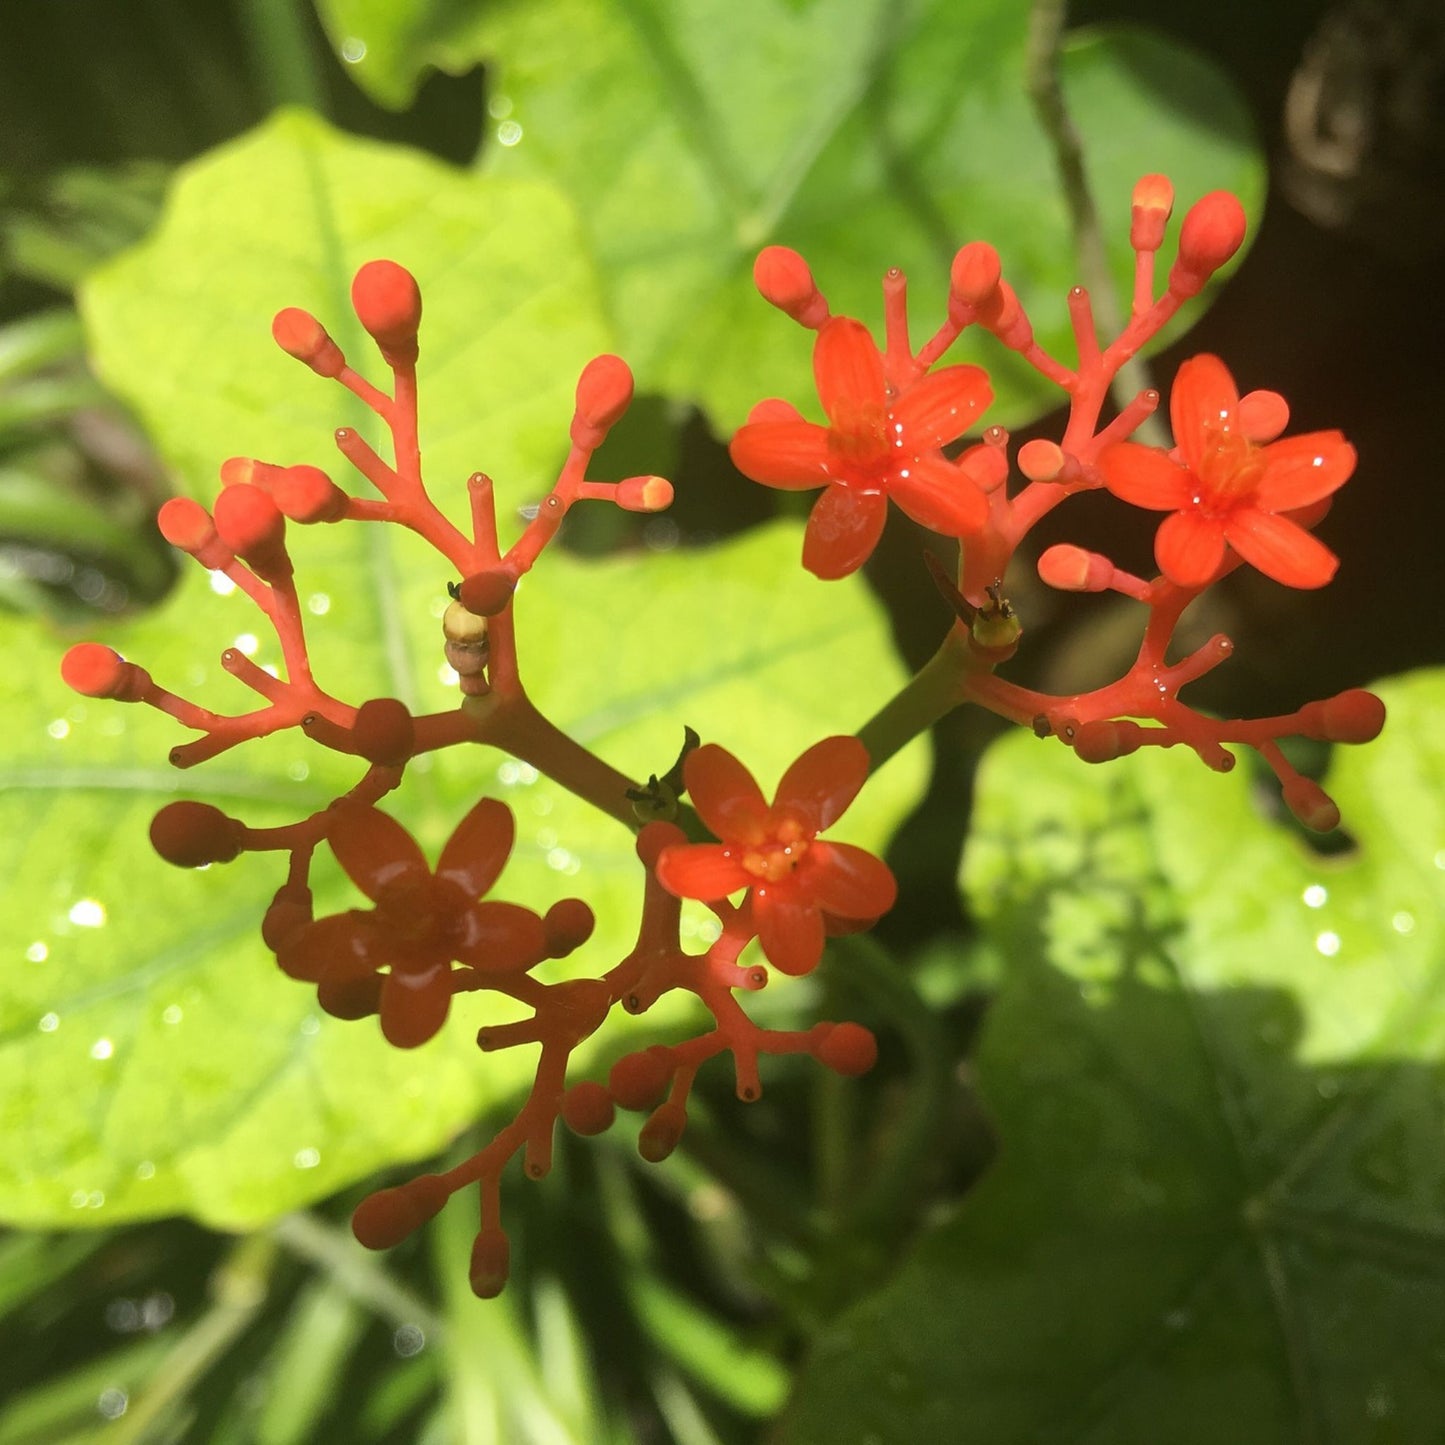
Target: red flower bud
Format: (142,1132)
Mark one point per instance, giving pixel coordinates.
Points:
(387,302)
(383,731)
(1041,460)
(1006,318)
(1212,232)
(190,835)
(661,1133)
(301,335)
(186,524)
(975,273)
(587,1109)
(385,1218)
(1102,741)
(250,523)
(848,1049)
(307,494)
(644,494)
(1072,569)
(487,592)
(604,392)
(1355,716)
(1262,416)
(568,925)
(785,280)
(491,1264)
(1152,202)
(95,670)
(1311,805)
(637,1080)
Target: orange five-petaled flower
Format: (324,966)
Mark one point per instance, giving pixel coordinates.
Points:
(1226,490)
(875,446)
(423,921)
(793,877)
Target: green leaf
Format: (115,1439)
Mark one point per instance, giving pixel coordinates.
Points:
(690,133)
(1215,1064)
(152,1058)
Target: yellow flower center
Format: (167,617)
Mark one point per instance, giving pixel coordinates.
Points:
(775,860)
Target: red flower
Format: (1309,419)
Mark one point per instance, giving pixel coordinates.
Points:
(794,879)
(875,446)
(1226,490)
(422,922)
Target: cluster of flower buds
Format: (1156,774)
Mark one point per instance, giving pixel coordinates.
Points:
(431,933)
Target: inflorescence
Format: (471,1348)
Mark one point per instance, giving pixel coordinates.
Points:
(1233,490)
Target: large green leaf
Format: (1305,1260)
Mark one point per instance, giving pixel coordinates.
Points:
(690,133)
(152,1059)
(1216,1067)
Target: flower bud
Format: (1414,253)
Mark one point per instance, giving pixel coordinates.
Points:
(604,392)
(644,494)
(1355,716)
(190,835)
(236,470)
(848,1049)
(637,1080)
(1152,202)
(383,731)
(487,592)
(491,1264)
(974,276)
(1041,460)
(387,302)
(986,465)
(1102,740)
(1309,802)
(784,279)
(1007,320)
(1072,569)
(385,1218)
(94,670)
(1212,232)
(186,524)
(587,1109)
(568,924)
(301,335)
(250,523)
(307,494)
(661,1133)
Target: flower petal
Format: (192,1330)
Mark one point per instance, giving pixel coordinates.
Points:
(344,945)
(1204,402)
(1300,470)
(414,1006)
(501,938)
(1280,548)
(476,851)
(1189,548)
(939,408)
(939,496)
(701,870)
(375,849)
(725,795)
(1145,477)
(843,529)
(848,371)
(822,782)
(848,881)
(791,933)
(789,454)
